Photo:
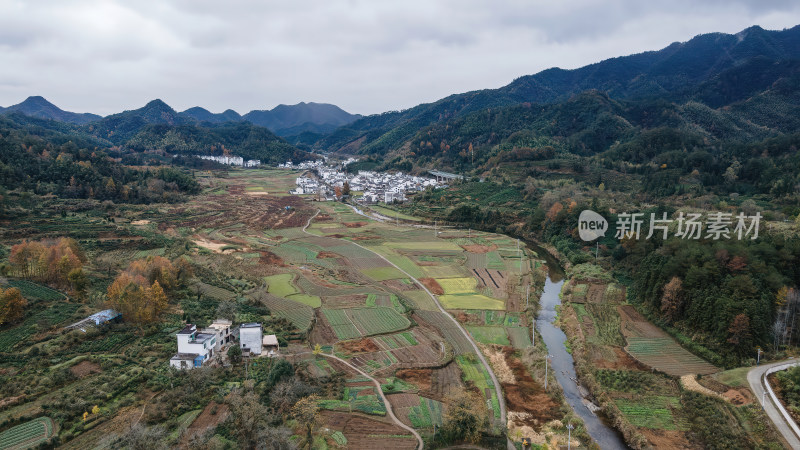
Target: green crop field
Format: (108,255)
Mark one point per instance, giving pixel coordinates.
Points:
(392,213)
(458,285)
(281,285)
(427,414)
(651,412)
(476,373)
(489,335)
(299,314)
(383,273)
(27,435)
(377,320)
(494,261)
(213,291)
(520,337)
(341,324)
(444,271)
(666,355)
(421,300)
(310,300)
(437,244)
(32,290)
(471,301)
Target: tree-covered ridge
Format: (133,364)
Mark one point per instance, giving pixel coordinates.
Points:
(68,164)
(239,138)
(715,70)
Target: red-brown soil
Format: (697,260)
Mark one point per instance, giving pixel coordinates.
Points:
(359,346)
(671,439)
(271,259)
(85,368)
(432,285)
(399,285)
(475,248)
(622,361)
(527,395)
(354,224)
(327,254)
(206,420)
(365,433)
(634,324)
(321,332)
(422,378)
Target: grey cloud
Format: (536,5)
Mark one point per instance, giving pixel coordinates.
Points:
(365,56)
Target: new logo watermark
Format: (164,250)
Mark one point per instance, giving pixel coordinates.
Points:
(715,226)
(591,225)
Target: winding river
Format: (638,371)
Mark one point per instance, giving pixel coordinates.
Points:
(563,365)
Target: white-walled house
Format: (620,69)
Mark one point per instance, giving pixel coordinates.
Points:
(250,338)
(194,348)
(223,332)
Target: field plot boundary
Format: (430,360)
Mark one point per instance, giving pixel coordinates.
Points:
(20,437)
(501,404)
(653,347)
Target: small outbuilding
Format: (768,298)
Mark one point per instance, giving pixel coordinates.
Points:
(270,345)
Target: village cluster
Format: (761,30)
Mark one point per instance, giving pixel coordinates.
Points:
(231,160)
(372,187)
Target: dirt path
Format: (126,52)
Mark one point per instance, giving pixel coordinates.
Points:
(499,391)
(385,400)
(689,382)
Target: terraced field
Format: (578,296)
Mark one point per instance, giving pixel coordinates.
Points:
(668,356)
(352,323)
(652,412)
(299,314)
(27,435)
(655,348)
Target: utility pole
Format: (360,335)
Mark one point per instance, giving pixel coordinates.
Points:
(758,358)
(546,358)
(569,436)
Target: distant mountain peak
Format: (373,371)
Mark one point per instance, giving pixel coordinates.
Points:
(285,120)
(40,107)
(158,104)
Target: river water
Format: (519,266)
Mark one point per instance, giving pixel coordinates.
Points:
(564,367)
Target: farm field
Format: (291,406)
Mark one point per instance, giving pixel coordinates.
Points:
(655,348)
(244,242)
(27,435)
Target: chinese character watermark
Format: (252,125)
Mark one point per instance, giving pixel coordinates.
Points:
(714,226)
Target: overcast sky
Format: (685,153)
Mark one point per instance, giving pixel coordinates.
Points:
(365,56)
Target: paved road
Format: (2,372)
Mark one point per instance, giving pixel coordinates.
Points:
(500,399)
(755,377)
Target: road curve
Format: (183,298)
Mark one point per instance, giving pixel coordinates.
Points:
(755,377)
(500,399)
(385,400)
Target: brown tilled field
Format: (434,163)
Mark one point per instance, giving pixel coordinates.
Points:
(432,285)
(213,414)
(85,368)
(364,433)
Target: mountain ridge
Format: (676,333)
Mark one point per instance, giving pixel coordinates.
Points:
(38,106)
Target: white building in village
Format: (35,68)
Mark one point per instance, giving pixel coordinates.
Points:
(250,339)
(223,333)
(194,348)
